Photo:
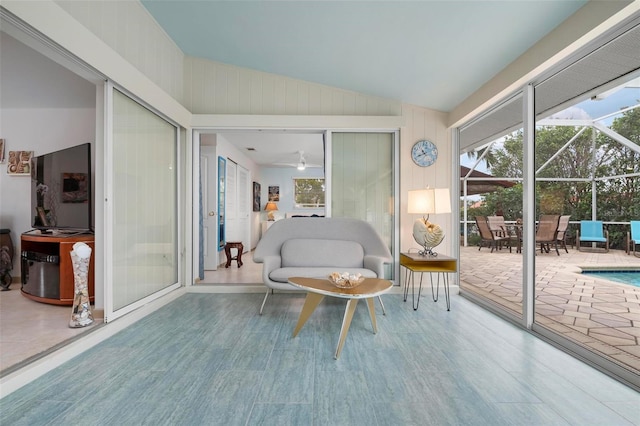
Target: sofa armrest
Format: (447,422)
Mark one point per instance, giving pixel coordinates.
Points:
(375,263)
(270,263)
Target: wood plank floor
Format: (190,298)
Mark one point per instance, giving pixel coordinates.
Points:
(210,359)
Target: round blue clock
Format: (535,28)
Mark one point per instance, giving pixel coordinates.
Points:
(424,153)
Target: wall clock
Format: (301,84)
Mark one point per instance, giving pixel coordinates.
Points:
(424,153)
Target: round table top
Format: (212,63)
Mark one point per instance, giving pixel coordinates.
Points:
(370,287)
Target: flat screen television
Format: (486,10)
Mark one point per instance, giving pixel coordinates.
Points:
(61,190)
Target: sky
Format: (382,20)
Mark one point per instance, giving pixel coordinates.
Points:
(628,95)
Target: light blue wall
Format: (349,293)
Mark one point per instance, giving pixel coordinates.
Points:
(283,177)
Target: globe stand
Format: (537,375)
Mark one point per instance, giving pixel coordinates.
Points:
(428,251)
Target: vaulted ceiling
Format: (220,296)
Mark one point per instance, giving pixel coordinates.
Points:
(427,53)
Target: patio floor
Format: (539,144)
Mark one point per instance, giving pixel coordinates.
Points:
(599,314)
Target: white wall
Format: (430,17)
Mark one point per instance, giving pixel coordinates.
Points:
(215,88)
(128,28)
(422,123)
(40,131)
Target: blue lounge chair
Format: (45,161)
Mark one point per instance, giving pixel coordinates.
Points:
(592,231)
(633,238)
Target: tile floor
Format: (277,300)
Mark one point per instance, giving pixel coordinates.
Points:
(601,315)
(29,330)
(210,359)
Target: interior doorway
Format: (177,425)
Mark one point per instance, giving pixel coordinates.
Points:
(267,159)
(61,91)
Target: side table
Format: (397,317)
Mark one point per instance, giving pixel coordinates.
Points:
(238,257)
(439,264)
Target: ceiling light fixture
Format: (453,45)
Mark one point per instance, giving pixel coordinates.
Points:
(302,163)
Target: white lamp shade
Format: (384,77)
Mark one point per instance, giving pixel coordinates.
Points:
(429,201)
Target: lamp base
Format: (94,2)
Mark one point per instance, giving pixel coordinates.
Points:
(270,217)
(428,251)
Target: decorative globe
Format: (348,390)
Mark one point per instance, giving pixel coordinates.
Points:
(427,234)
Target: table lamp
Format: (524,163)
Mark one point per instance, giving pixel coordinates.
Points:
(270,207)
(428,201)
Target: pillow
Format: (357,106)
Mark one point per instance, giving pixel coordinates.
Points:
(310,252)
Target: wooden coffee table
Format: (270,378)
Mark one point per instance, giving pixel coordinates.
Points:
(318,288)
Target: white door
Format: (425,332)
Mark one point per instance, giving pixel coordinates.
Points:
(244,207)
(208,180)
(231,203)
(238,205)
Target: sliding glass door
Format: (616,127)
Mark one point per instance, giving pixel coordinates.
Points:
(570,142)
(364,182)
(142,205)
(491,208)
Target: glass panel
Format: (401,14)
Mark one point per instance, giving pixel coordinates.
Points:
(145,255)
(362,180)
(491,216)
(588,168)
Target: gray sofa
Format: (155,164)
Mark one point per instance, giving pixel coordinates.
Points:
(316,246)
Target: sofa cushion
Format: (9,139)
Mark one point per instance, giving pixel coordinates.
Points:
(311,252)
(282,275)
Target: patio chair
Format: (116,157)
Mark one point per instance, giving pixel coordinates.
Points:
(487,237)
(497,225)
(547,232)
(563,225)
(633,238)
(592,231)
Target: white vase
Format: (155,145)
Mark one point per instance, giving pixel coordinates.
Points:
(81,311)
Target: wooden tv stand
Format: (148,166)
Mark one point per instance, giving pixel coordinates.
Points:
(56,243)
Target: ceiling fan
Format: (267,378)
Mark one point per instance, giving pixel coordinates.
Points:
(301,164)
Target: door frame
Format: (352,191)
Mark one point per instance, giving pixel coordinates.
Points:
(326,124)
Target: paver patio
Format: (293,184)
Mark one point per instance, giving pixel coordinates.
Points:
(594,312)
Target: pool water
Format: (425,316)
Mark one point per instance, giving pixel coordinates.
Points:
(625,277)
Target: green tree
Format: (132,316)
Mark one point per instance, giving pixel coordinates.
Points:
(488,158)
(309,192)
(618,196)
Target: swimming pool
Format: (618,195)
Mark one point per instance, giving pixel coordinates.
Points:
(631,277)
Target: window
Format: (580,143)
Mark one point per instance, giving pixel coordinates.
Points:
(308,193)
